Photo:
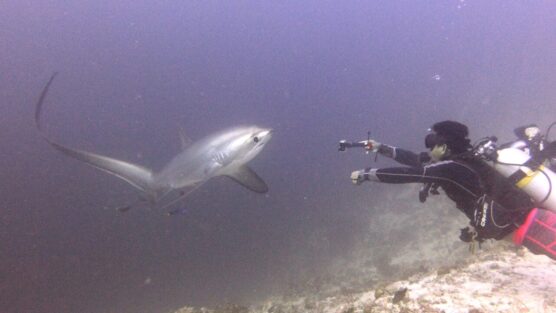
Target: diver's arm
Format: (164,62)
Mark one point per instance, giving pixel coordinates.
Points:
(437,173)
(403,156)
(391,175)
(397,175)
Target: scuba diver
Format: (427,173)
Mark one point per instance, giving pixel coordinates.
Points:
(493,204)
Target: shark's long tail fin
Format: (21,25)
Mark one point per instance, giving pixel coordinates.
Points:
(136,175)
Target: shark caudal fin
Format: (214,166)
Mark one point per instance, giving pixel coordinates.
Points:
(136,175)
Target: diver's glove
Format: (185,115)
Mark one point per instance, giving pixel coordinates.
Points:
(466,234)
(469,234)
(358,177)
(372,145)
(380,148)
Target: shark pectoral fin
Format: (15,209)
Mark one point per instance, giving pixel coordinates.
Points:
(248,179)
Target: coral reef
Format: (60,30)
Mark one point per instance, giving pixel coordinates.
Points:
(502,279)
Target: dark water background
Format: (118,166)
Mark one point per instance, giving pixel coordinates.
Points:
(133,72)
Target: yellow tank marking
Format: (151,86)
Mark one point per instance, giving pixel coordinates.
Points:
(530,175)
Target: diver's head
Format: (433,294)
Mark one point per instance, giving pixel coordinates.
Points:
(447,139)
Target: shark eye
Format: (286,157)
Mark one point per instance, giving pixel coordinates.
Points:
(256,139)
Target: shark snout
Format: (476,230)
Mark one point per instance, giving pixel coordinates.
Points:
(264,135)
(265,132)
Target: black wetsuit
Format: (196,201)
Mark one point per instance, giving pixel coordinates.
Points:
(466,182)
(460,182)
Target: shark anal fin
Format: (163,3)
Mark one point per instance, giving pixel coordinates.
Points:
(246,177)
(124,209)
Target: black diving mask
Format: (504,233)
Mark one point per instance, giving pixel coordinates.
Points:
(432,139)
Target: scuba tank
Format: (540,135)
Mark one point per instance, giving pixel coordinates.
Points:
(523,163)
(527,174)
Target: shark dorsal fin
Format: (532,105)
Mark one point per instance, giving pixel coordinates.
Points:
(246,177)
(185,141)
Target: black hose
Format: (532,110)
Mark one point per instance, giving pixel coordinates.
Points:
(548,131)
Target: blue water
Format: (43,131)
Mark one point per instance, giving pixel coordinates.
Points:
(133,72)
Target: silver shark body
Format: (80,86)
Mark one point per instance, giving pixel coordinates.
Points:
(222,154)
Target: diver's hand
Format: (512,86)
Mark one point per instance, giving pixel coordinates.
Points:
(372,145)
(359,176)
(469,234)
